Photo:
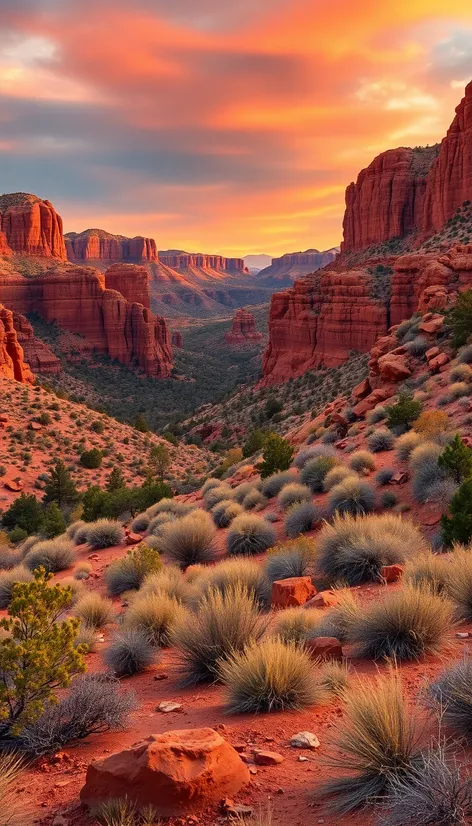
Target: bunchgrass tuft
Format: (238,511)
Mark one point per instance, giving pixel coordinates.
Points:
(238,572)
(315,472)
(273,484)
(451,696)
(336,475)
(428,571)
(293,494)
(290,559)
(104,533)
(352,496)
(53,555)
(301,518)
(406,443)
(362,460)
(296,624)
(224,512)
(380,440)
(129,572)
(189,540)
(249,535)
(8,579)
(129,652)
(94,610)
(155,617)
(459,582)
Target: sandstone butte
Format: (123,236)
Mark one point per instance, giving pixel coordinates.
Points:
(178,260)
(30,226)
(99,245)
(243,328)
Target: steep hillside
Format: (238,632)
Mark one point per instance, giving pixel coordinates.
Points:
(284,270)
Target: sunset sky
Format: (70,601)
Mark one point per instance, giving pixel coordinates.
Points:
(220,125)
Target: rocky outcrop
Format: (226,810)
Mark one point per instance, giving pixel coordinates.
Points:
(31,226)
(243,329)
(179,260)
(320,320)
(5,250)
(98,245)
(131,280)
(78,301)
(12,360)
(176,772)
(287,268)
(39,356)
(177,340)
(387,201)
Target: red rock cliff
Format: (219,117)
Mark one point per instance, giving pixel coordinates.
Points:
(31,226)
(12,362)
(243,328)
(130,280)
(99,245)
(184,260)
(39,356)
(295,264)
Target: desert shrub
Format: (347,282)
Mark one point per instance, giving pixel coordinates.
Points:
(215,495)
(384,476)
(8,579)
(353,496)
(434,791)
(289,559)
(458,389)
(151,541)
(94,610)
(456,459)
(53,555)
(104,533)
(238,572)
(300,519)
(457,527)
(354,549)
(254,499)
(81,534)
(10,558)
(334,678)
(168,505)
(140,522)
(315,471)
(362,460)
(406,443)
(95,703)
(269,676)
(249,535)
(224,512)
(388,499)
(129,573)
(376,415)
(293,494)
(129,652)
(222,624)
(428,480)
(171,581)
(274,483)
(376,741)
(459,581)
(381,439)
(336,475)
(312,452)
(459,318)
(461,372)
(451,695)
(405,625)
(209,484)
(338,621)
(417,346)
(431,424)
(189,540)
(73,528)
(424,453)
(295,624)
(82,570)
(29,543)
(13,810)
(37,655)
(155,617)
(91,458)
(156,525)
(25,512)
(240,491)
(405,411)
(465,355)
(87,637)
(276,455)
(17,535)
(428,571)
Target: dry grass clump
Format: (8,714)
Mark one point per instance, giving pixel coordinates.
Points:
(465,355)
(249,535)
(121,812)
(94,610)
(338,621)
(458,389)
(222,625)
(301,518)
(273,484)
(209,484)
(428,571)
(377,741)
(307,453)
(170,506)
(406,443)
(451,696)
(461,372)
(289,559)
(215,495)
(129,652)
(459,582)
(242,490)
(239,572)
(380,440)
(224,512)
(156,524)
(104,533)
(189,540)
(334,678)
(315,472)
(10,558)
(73,528)
(296,624)
(155,617)
(81,534)
(336,475)
(254,499)
(353,549)
(352,496)
(171,581)
(423,454)
(8,579)
(13,810)
(269,676)
(86,637)
(140,522)
(129,572)
(362,460)
(405,625)
(293,494)
(53,555)
(82,570)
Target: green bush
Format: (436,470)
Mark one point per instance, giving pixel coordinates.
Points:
(91,459)
(404,412)
(129,573)
(53,523)
(457,527)
(60,487)
(25,513)
(459,317)
(253,443)
(456,459)
(277,455)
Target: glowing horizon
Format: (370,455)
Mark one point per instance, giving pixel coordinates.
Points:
(223,130)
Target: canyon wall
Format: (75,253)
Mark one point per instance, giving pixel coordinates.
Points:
(98,245)
(131,280)
(178,260)
(12,361)
(31,226)
(295,264)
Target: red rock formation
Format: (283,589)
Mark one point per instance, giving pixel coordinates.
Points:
(5,250)
(243,329)
(12,363)
(39,356)
(320,320)
(77,300)
(99,245)
(177,340)
(131,280)
(178,260)
(295,264)
(31,226)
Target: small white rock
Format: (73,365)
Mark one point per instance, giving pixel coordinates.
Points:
(462,635)
(168,706)
(305,740)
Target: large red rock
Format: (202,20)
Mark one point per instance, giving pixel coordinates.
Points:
(37,353)
(5,249)
(243,328)
(325,648)
(131,280)
(98,245)
(12,361)
(289,593)
(31,226)
(176,772)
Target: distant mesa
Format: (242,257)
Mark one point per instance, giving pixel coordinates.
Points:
(99,245)
(177,340)
(181,260)
(258,262)
(243,328)
(284,270)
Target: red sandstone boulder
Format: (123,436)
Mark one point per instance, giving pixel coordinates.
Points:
(391,573)
(16,487)
(394,367)
(325,648)
(132,538)
(176,772)
(360,391)
(432,352)
(288,593)
(439,361)
(323,599)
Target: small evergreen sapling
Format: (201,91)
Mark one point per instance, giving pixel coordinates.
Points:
(458,526)
(456,459)
(277,455)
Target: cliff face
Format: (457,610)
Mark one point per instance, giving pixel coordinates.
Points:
(12,360)
(243,329)
(98,245)
(287,268)
(39,356)
(131,280)
(31,226)
(77,300)
(186,261)
(177,340)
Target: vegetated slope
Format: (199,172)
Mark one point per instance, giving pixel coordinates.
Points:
(40,427)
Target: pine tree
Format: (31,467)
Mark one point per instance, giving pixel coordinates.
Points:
(60,487)
(141,424)
(460,318)
(456,459)
(159,460)
(25,513)
(115,481)
(458,526)
(53,521)
(277,455)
